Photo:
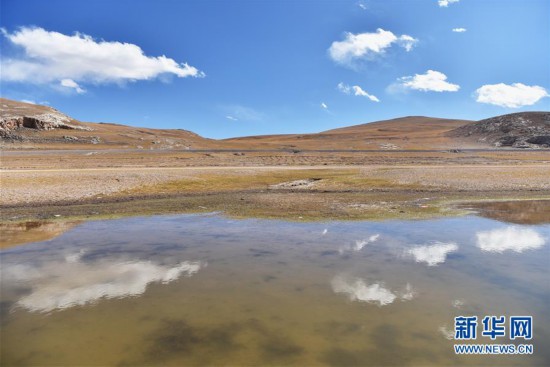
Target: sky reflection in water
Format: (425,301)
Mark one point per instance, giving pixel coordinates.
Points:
(292,293)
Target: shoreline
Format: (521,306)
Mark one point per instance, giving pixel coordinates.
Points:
(44,225)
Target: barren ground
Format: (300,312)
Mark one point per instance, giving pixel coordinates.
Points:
(51,190)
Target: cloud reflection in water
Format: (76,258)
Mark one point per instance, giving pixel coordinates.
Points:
(512,238)
(432,254)
(57,285)
(359,290)
(359,244)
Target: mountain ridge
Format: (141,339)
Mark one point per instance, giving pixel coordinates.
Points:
(24,125)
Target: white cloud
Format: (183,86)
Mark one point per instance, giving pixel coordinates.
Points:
(344,88)
(511,238)
(324,106)
(357,91)
(69,83)
(28,101)
(367,45)
(407,42)
(445,3)
(434,81)
(512,96)
(57,285)
(459,30)
(53,57)
(359,290)
(432,254)
(362,5)
(231,118)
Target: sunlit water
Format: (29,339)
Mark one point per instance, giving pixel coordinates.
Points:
(208,290)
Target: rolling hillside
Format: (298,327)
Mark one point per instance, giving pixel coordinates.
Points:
(416,132)
(24,125)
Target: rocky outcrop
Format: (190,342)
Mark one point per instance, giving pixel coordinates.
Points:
(528,130)
(17,115)
(45,121)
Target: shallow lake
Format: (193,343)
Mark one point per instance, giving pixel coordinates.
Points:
(210,290)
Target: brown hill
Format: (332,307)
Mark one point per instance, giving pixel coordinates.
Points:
(414,132)
(26,125)
(15,116)
(516,130)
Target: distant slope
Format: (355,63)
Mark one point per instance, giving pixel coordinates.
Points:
(516,130)
(30,126)
(26,125)
(415,132)
(408,124)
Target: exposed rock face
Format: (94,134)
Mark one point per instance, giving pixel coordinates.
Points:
(18,115)
(40,122)
(33,126)
(517,130)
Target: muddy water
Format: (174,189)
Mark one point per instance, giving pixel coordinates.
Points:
(208,290)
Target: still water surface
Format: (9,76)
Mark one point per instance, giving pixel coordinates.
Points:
(209,290)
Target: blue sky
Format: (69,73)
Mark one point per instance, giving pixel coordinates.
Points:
(262,67)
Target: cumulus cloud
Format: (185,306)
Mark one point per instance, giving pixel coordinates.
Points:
(445,3)
(376,293)
(55,57)
(512,96)
(58,285)
(69,83)
(324,106)
(407,42)
(459,30)
(356,90)
(367,45)
(432,254)
(511,238)
(431,81)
